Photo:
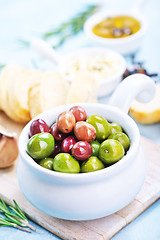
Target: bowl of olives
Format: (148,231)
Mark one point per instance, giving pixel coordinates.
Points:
(84,161)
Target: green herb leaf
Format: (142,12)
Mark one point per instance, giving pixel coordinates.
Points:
(19,210)
(3,207)
(71,27)
(67,29)
(16,218)
(4,222)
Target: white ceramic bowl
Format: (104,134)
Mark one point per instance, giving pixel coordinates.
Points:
(125,45)
(88,195)
(106,86)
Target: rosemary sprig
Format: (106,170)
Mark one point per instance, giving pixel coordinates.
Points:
(16,218)
(68,29)
(72,27)
(4,222)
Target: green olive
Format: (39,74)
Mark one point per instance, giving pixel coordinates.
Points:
(101,125)
(111,151)
(41,145)
(95,147)
(115,127)
(65,163)
(46,163)
(122,138)
(91,165)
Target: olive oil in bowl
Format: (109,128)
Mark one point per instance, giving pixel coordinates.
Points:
(117,27)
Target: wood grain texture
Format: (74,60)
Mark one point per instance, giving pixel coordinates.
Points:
(100,229)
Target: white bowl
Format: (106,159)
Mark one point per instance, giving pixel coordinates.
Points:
(125,45)
(92,195)
(106,85)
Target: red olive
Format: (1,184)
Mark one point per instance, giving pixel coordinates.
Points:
(84,131)
(38,126)
(79,113)
(68,143)
(59,136)
(65,122)
(81,150)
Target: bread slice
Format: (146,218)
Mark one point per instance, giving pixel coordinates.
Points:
(147,113)
(6,85)
(15,82)
(19,97)
(3,93)
(48,93)
(83,89)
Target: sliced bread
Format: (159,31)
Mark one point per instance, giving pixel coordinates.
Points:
(7,78)
(147,113)
(48,93)
(15,82)
(83,89)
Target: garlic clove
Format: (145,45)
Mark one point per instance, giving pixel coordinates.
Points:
(8,148)
(4,132)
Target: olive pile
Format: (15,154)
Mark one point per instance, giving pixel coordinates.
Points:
(76,143)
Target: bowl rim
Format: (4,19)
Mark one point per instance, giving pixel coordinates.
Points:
(88,50)
(81,177)
(98,17)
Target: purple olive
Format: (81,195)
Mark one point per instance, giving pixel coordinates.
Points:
(81,150)
(38,126)
(68,143)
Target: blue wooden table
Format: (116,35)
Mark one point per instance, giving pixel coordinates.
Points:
(29,18)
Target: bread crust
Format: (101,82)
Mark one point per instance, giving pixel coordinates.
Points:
(26,93)
(148,113)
